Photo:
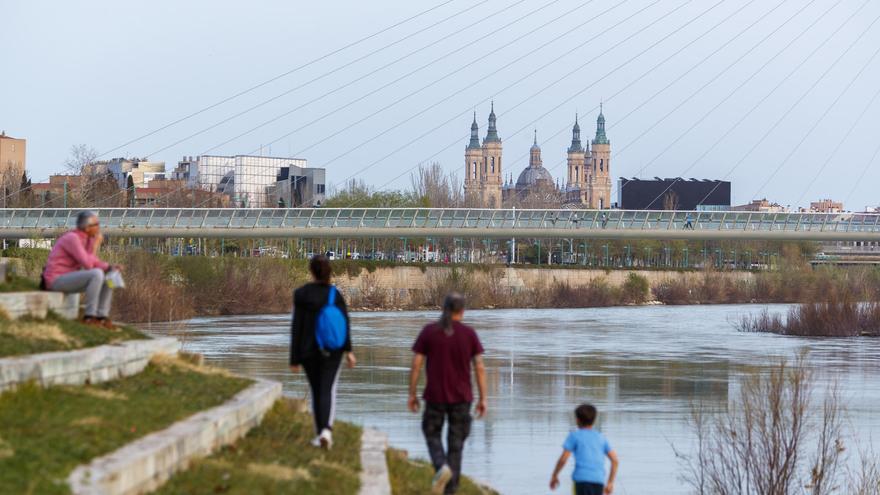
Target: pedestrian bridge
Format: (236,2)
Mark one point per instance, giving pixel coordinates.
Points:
(445,222)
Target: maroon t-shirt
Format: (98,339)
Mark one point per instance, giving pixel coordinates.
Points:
(449,362)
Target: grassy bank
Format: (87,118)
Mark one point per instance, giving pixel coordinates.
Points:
(32,336)
(45,433)
(409,477)
(276,458)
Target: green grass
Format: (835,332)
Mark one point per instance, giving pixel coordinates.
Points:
(413,477)
(32,336)
(46,433)
(14,283)
(276,458)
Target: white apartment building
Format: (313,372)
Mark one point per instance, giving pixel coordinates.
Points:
(244,178)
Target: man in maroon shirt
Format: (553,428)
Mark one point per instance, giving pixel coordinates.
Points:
(450,347)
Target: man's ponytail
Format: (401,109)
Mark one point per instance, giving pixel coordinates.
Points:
(452,304)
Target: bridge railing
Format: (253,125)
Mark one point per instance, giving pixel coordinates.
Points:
(173,219)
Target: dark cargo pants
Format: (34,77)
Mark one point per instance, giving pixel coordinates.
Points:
(459,416)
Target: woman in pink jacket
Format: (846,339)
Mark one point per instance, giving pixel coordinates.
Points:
(73,266)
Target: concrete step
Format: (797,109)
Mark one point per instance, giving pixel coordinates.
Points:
(145,464)
(91,365)
(37,304)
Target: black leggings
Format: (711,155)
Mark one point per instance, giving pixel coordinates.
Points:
(323,373)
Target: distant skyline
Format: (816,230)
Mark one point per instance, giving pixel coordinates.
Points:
(102,73)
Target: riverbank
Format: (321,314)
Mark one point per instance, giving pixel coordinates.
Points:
(165,288)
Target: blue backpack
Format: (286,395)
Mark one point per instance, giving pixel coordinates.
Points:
(331,329)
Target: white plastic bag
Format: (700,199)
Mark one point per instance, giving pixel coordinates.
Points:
(114,279)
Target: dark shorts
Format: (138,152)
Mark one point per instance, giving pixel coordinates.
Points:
(585,488)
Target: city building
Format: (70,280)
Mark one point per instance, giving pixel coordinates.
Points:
(250,181)
(761,206)
(297,187)
(826,206)
(175,193)
(141,170)
(483,172)
(674,194)
(13,158)
(534,184)
(589,171)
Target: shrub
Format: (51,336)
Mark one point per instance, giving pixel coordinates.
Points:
(635,289)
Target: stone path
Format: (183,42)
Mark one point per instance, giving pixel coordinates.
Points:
(374,466)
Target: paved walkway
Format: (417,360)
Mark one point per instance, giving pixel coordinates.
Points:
(374,466)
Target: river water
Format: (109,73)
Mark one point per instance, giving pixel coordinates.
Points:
(642,367)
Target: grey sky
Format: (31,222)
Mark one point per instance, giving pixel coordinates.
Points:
(105,72)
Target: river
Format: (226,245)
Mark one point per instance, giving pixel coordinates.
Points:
(642,367)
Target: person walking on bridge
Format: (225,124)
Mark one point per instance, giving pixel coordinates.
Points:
(73,266)
(450,348)
(320,340)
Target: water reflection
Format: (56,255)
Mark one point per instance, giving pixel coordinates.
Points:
(643,368)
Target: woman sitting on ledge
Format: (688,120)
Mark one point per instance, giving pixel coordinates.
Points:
(73,266)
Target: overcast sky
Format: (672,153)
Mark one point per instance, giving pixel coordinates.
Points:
(676,77)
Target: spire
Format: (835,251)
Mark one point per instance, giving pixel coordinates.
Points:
(601,138)
(535,154)
(492,133)
(475,134)
(576,146)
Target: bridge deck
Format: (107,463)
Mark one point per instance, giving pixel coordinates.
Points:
(432,222)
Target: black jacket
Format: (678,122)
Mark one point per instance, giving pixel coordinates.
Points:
(307,303)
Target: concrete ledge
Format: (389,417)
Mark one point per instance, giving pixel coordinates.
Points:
(92,365)
(37,304)
(145,464)
(374,465)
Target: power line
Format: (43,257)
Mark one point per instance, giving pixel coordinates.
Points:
(723,100)
(362,77)
(779,85)
(862,174)
(275,78)
(819,120)
(839,144)
(467,86)
(545,88)
(508,86)
(328,93)
(674,54)
(406,75)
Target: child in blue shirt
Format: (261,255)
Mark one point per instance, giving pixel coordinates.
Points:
(590,449)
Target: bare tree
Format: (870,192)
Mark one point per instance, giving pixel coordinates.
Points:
(436,187)
(763,442)
(82,163)
(670,201)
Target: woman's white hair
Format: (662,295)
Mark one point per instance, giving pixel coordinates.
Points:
(83,217)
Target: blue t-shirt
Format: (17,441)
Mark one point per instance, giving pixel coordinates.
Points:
(590,448)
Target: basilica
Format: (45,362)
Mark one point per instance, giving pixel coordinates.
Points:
(588,183)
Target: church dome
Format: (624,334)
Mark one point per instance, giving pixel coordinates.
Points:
(531,175)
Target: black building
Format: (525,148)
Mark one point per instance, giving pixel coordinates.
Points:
(674,194)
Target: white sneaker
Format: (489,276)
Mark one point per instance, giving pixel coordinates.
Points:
(326,439)
(441,478)
(316,442)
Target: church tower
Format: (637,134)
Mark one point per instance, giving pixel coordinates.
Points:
(490,184)
(577,173)
(600,172)
(473,164)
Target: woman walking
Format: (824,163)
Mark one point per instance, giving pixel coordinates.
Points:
(318,345)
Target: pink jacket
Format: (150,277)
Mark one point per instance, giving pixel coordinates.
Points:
(72,251)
